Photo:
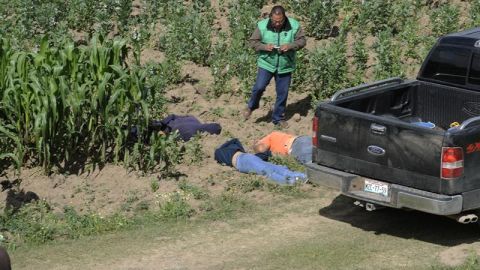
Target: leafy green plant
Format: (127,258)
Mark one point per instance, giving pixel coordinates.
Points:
(300,75)
(196,192)
(193,150)
(327,70)
(287,161)
(188,37)
(320,17)
(360,58)
(374,16)
(70,103)
(37,223)
(444,19)
(175,207)
(220,64)
(377,16)
(411,41)
(154,185)
(474,13)
(224,206)
(388,62)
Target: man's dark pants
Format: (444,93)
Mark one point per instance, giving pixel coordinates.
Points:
(282,83)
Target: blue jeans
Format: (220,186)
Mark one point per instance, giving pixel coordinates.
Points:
(248,163)
(282,83)
(302,149)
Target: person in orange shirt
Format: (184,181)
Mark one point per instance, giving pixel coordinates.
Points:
(300,147)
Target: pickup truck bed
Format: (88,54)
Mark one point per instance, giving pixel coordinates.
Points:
(370,145)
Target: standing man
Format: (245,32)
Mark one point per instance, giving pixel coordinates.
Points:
(276,41)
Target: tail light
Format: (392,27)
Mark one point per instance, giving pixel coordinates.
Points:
(452,162)
(314,131)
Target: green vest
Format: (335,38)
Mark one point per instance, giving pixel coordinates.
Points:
(274,61)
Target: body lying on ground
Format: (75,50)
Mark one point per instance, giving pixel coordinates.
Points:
(187,126)
(232,153)
(299,147)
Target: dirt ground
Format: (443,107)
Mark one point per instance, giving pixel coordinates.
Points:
(107,190)
(324,231)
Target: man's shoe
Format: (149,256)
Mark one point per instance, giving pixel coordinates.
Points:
(282,124)
(246,113)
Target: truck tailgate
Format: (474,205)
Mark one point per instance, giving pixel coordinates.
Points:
(380,148)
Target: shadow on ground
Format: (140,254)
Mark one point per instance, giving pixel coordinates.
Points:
(301,107)
(402,223)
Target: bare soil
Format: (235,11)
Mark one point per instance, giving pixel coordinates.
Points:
(324,231)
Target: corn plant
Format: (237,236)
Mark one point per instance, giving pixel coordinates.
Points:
(71,103)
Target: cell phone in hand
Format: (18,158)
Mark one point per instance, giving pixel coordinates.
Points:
(276,47)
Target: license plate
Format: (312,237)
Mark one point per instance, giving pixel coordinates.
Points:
(376,187)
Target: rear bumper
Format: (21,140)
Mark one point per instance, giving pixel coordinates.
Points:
(352,185)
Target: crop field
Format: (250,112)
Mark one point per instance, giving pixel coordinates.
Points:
(76,76)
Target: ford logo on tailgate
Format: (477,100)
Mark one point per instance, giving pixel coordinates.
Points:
(376,150)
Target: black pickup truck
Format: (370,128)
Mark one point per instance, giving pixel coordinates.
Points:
(408,143)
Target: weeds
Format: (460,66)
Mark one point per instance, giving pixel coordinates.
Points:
(388,62)
(360,58)
(193,150)
(327,70)
(472,263)
(196,192)
(37,223)
(444,19)
(188,36)
(225,206)
(287,161)
(154,185)
(474,13)
(175,206)
(319,16)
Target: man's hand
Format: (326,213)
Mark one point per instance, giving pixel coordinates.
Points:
(269,47)
(284,48)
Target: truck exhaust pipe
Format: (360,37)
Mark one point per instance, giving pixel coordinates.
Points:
(370,207)
(465,219)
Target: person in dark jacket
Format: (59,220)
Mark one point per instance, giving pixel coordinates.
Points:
(186,125)
(276,40)
(232,153)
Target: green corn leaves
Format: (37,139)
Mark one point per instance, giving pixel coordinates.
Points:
(65,104)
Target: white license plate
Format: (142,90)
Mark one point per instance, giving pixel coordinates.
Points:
(376,187)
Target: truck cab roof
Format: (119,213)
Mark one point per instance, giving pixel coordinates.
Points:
(465,38)
(454,60)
